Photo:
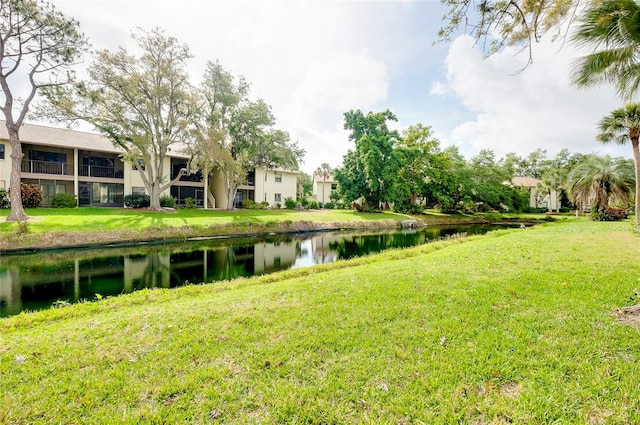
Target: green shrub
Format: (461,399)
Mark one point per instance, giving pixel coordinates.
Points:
(137,200)
(31,195)
(252,205)
(610,214)
(313,205)
(4,199)
(277,205)
(329,205)
(290,203)
(167,201)
(64,200)
(190,203)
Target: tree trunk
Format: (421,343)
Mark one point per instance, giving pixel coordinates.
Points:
(231,189)
(17,211)
(636,161)
(154,196)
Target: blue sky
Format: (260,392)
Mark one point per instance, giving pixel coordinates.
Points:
(314,60)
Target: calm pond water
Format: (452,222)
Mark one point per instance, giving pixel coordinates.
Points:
(41,280)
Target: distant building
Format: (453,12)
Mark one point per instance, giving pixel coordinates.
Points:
(538,197)
(322,187)
(89,166)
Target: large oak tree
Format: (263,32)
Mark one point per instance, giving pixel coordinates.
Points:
(143,104)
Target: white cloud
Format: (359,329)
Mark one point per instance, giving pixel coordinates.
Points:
(520,112)
(438,88)
(342,82)
(331,86)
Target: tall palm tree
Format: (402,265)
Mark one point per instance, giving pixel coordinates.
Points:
(612,29)
(599,181)
(324,171)
(620,126)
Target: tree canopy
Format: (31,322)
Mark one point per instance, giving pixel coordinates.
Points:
(143,104)
(235,134)
(369,171)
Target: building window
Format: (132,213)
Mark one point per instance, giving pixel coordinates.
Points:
(278,178)
(277,197)
(334,186)
(1,150)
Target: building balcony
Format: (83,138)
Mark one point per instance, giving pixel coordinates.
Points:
(103,172)
(46,167)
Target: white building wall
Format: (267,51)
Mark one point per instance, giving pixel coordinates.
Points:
(5,165)
(274,186)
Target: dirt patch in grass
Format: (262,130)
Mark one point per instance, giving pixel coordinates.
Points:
(629,316)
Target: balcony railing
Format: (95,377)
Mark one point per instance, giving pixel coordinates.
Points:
(97,171)
(64,169)
(46,167)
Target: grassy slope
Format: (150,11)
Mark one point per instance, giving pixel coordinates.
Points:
(511,327)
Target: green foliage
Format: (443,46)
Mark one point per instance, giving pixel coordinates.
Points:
(4,199)
(314,205)
(31,195)
(167,201)
(305,184)
(136,200)
(250,204)
(370,171)
(290,203)
(64,200)
(601,181)
(329,205)
(610,29)
(190,203)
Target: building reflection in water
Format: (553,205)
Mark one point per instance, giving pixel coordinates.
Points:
(38,281)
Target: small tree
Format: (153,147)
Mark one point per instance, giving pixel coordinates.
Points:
(324,171)
(600,181)
(38,47)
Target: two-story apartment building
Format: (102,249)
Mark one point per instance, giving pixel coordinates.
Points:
(263,185)
(89,166)
(323,186)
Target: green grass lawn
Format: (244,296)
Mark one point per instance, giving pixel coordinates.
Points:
(511,327)
(105,219)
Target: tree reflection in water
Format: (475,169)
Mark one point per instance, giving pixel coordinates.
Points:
(38,281)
